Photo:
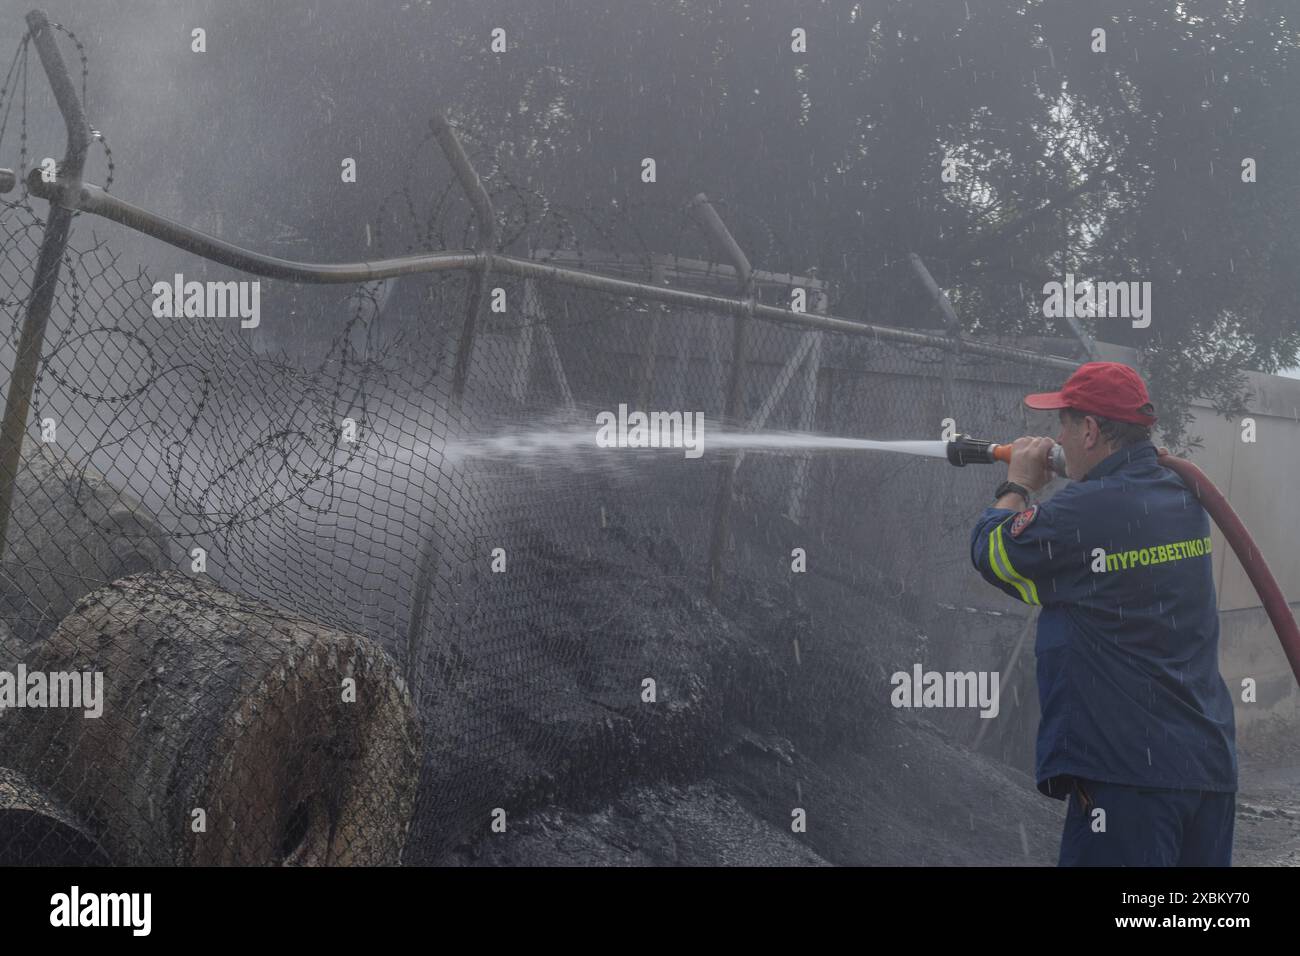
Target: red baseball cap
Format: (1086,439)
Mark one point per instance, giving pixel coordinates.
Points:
(1109,389)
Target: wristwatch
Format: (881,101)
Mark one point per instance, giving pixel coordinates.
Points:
(1011,486)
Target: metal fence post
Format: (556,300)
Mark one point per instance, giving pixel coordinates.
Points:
(486,218)
(740,331)
(487,240)
(46,281)
(952,324)
(645,387)
(807,413)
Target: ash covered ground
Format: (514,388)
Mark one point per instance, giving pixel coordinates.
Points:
(753,727)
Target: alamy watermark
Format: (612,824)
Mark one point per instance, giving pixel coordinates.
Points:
(77,909)
(22,689)
(651,430)
(1086,299)
(946,689)
(208,300)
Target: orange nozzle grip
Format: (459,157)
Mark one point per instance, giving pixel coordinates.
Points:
(1002,453)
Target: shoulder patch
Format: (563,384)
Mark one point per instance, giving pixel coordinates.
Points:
(1023,520)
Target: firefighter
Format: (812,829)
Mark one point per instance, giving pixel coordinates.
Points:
(1136,729)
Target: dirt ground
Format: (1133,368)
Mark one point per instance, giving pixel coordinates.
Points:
(1268,811)
(938,804)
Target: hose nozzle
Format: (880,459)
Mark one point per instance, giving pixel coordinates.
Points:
(964,450)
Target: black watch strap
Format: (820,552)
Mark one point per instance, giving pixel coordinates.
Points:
(1010,486)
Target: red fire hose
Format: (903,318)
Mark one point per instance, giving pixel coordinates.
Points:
(1279,612)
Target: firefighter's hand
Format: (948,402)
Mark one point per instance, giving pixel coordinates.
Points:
(1030,465)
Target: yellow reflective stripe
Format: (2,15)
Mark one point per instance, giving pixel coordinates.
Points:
(1016,576)
(996,535)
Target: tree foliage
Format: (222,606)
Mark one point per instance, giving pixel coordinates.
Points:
(1125,164)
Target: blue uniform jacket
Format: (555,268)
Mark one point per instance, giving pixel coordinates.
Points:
(1128,637)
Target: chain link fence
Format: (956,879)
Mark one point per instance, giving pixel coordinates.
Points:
(311,595)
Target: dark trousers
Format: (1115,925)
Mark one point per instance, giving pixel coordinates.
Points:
(1146,826)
